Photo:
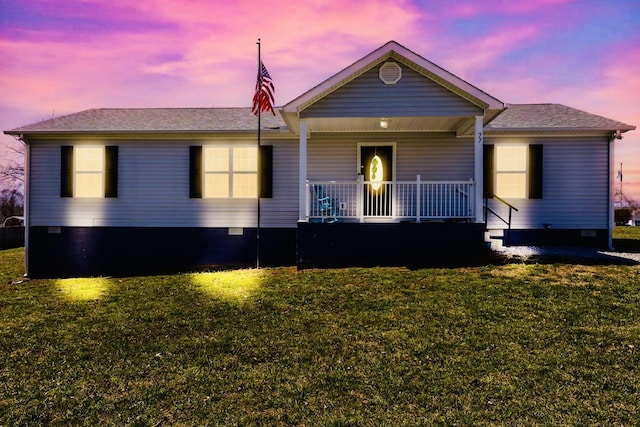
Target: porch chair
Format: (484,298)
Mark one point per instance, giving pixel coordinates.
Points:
(326,206)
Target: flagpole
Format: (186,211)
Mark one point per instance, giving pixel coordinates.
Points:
(259,159)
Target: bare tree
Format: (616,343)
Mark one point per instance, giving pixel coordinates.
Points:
(11,203)
(12,172)
(12,179)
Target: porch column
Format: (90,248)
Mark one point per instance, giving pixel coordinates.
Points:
(478,140)
(302,173)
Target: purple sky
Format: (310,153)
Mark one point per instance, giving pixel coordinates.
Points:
(63,56)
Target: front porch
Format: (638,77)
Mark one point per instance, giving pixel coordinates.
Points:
(390,164)
(407,244)
(390,201)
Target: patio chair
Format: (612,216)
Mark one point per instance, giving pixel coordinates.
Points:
(326,206)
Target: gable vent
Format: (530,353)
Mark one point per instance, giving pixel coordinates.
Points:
(390,73)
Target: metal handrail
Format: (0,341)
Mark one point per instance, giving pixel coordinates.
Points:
(505,202)
(487,209)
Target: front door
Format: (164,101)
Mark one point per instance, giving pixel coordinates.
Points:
(376,166)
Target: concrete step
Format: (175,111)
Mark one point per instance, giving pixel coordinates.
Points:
(494,238)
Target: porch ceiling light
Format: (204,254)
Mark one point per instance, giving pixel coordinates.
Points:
(384,123)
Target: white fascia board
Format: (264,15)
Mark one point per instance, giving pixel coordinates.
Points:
(558,130)
(145,135)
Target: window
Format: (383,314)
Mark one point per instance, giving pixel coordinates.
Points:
(231,172)
(245,172)
(216,172)
(513,171)
(89,171)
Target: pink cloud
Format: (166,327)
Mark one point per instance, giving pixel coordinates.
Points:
(214,48)
(293,26)
(484,52)
(471,8)
(619,89)
(618,94)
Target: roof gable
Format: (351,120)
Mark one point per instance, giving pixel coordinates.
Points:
(394,51)
(412,94)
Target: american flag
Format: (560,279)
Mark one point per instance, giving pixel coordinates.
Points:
(263,98)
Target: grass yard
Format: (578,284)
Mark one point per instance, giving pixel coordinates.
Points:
(517,344)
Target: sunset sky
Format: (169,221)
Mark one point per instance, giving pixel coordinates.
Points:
(64,56)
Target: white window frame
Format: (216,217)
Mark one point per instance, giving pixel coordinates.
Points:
(230,171)
(498,172)
(77,151)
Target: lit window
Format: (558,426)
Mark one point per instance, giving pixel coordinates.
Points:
(230,172)
(89,166)
(511,171)
(216,172)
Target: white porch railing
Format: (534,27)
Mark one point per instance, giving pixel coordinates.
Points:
(329,201)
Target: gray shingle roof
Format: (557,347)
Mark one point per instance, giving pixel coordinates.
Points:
(518,117)
(157,120)
(551,117)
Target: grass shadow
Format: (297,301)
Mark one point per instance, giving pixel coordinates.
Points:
(576,257)
(627,245)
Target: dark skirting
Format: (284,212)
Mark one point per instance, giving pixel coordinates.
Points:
(118,251)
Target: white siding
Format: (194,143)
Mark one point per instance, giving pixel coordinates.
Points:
(413,95)
(434,157)
(575,186)
(153,181)
(153,190)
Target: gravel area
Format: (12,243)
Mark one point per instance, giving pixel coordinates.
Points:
(565,254)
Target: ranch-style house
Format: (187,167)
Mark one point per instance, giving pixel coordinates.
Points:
(391,161)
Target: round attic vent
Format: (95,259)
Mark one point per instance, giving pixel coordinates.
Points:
(390,73)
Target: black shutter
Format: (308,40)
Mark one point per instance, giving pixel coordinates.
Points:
(535,171)
(195,172)
(488,176)
(111,171)
(66,171)
(265,178)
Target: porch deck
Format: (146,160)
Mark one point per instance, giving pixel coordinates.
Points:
(390,201)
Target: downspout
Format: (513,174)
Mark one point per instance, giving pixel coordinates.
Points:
(614,136)
(27,201)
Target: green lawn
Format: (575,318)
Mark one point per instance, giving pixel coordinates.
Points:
(517,344)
